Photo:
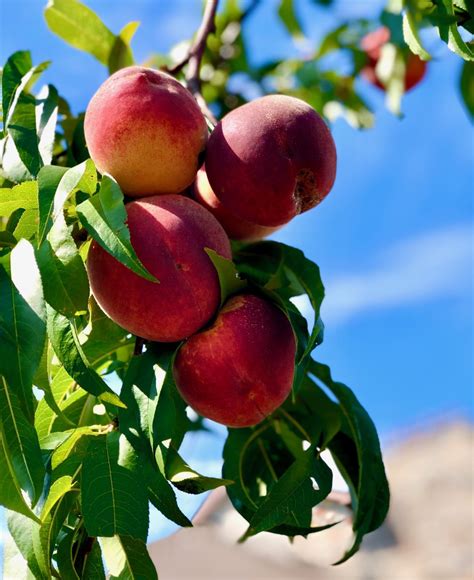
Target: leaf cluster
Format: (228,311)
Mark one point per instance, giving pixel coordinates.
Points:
(90,426)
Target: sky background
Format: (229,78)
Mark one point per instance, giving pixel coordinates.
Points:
(394,237)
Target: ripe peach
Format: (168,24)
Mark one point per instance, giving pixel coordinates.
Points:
(169,234)
(145,129)
(236,228)
(240,369)
(271,159)
(372,44)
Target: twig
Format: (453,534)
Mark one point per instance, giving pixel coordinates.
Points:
(194,56)
(196,50)
(250,8)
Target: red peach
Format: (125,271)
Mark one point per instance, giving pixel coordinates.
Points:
(271,159)
(372,44)
(169,234)
(145,129)
(241,369)
(236,228)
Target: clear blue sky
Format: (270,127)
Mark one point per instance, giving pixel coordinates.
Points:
(393,239)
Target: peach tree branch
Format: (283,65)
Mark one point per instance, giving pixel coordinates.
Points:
(194,56)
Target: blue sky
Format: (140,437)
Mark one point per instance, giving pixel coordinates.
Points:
(394,237)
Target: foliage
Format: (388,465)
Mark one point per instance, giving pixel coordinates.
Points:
(79,462)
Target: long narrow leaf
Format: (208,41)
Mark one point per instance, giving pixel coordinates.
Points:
(104,217)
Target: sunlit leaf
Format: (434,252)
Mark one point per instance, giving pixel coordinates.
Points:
(104,217)
(66,345)
(65,283)
(114,500)
(80,27)
(128,559)
(22,324)
(11,495)
(121,54)
(187,479)
(55,185)
(229,280)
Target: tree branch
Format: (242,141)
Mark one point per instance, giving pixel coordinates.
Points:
(194,56)
(196,50)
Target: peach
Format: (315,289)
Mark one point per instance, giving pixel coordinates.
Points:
(372,44)
(169,234)
(240,369)
(271,159)
(236,228)
(146,130)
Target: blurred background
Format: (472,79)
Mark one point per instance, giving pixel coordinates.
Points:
(394,243)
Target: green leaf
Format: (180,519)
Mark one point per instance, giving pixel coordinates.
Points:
(11,495)
(58,489)
(7,239)
(22,131)
(46,118)
(16,67)
(47,411)
(14,565)
(79,557)
(65,282)
(262,262)
(80,27)
(311,414)
(229,280)
(364,468)
(287,272)
(64,555)
(305,277)
(55,185)
(22,327)
(69,446)
(65,342)
(103,330)
(146,389)
(412,37)
(161,494)
(24,195)
(72,400)
(94,567)
(257,459)
(186,479)
(121,53)
(18,77)
(467,86)
(45,537)
(21,124)
(21,443)
(114,500)
(450,33)
(128,559)
(23,530)
(287,14)
(141,384)
(27,225)
(305,484)
(104,217)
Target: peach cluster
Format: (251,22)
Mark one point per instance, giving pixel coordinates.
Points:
(266,162)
